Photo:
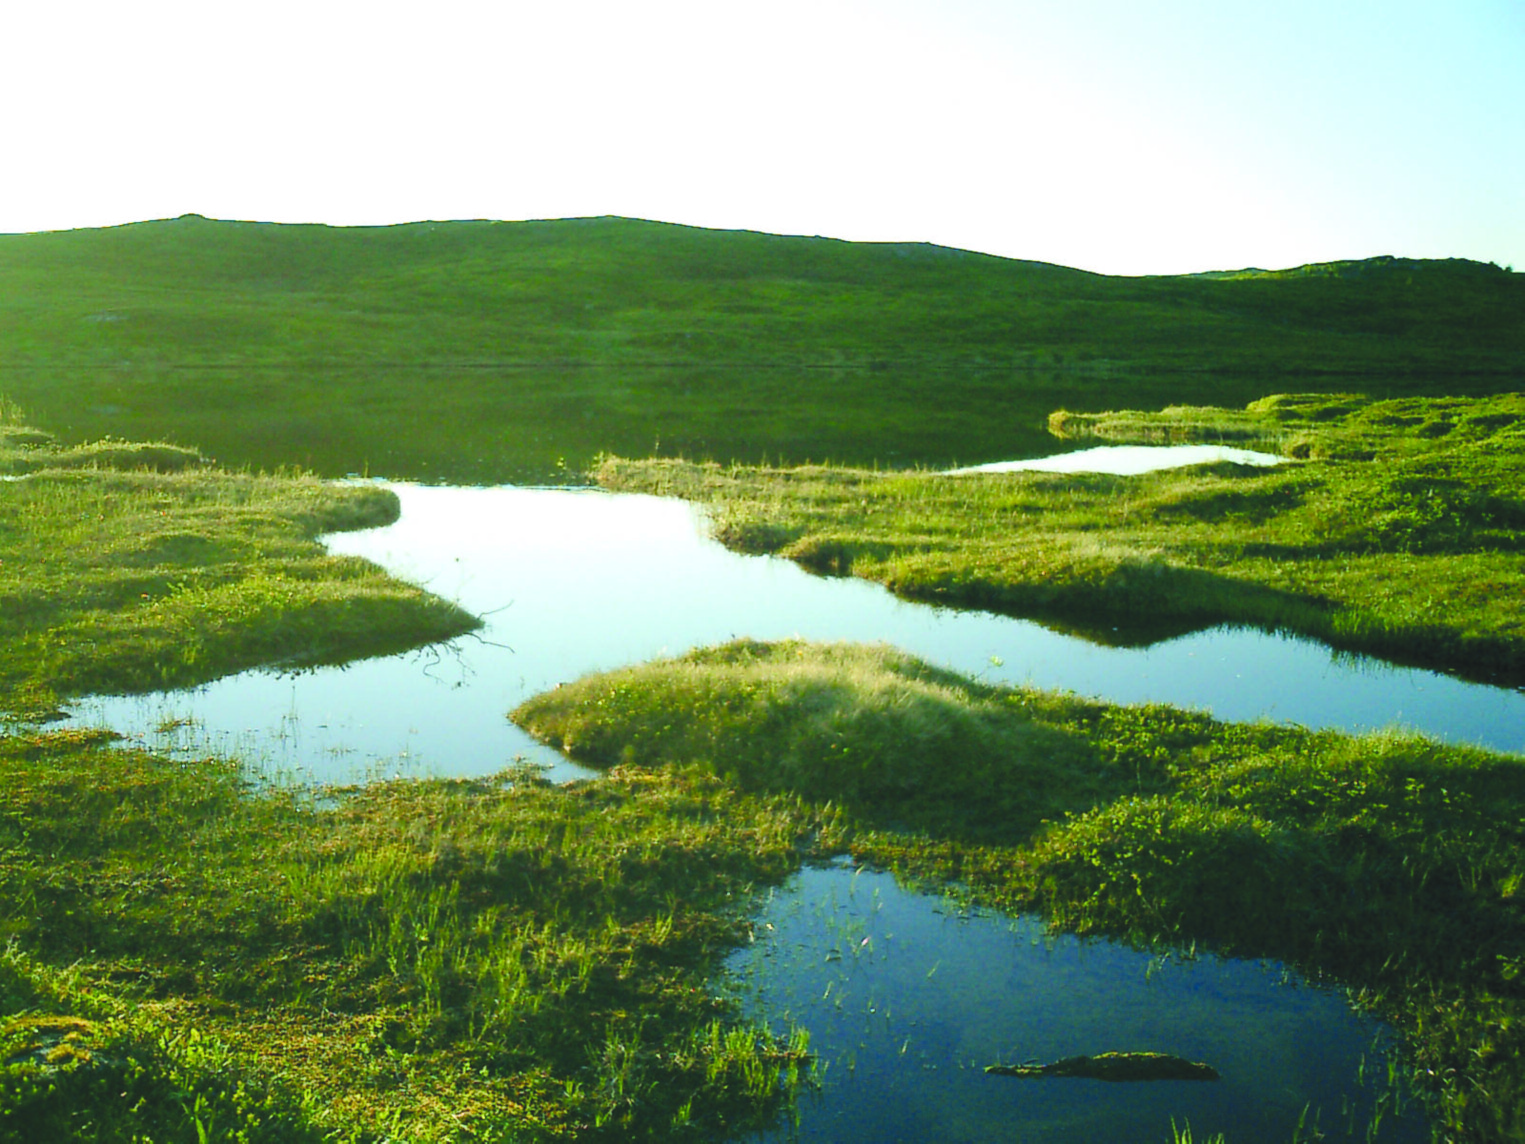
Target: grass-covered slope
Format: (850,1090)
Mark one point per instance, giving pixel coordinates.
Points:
(1400,530)
(133,567)
(1394,864)
(622,291)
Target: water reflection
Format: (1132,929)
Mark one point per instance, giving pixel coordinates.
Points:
(907,999)
(573,581)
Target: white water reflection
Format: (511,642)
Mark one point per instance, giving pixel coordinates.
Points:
(1127,460)
(907,999)
(573,581)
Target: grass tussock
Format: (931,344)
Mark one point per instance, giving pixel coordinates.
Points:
(1387,862)
(132,572)
(1398,533)
(491,960)
(868,728)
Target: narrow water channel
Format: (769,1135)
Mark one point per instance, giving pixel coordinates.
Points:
(573,581)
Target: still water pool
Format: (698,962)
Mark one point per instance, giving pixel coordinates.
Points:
(908,998)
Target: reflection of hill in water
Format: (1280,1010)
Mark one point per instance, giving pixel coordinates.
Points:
(539,424)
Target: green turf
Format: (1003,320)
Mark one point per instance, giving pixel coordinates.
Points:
(185,959)
(1389,863)
(1398,531)
(131,567)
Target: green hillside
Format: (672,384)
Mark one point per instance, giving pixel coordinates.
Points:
(538,341)
(620,291)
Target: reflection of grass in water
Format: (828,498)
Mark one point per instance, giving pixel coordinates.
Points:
(1400,533)
(1389,862)
(882,1024)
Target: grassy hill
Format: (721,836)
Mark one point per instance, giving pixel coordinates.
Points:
(538,341)
(620,291)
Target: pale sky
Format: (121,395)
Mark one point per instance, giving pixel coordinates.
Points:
(1124,136)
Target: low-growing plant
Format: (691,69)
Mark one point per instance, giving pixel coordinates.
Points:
(494,959)
(132,568)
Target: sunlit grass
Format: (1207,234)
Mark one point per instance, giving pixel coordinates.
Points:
(117,576)
(1387,862)
(1399,533)
(498,959)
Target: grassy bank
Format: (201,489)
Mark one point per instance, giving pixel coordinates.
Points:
(1389,863)
(185,956)
(187,959)
(1398,531)
(132,567)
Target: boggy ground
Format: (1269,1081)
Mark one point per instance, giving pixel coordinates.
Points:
(189,959)
(127,566)
(189,956)
(1399,528)
(1387,862)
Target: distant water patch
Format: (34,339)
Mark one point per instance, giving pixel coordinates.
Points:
(1127,460)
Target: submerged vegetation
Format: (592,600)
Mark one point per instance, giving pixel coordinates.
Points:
(1390,863)
(132,567)
(1399,529)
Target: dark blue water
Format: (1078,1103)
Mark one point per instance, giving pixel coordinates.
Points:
(907,998)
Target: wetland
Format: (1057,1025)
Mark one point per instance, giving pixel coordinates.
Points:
(826,785)
(568,582)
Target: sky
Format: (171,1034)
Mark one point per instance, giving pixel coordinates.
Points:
(1120,136)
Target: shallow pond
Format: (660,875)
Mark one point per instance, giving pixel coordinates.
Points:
(573,581)
(907,999)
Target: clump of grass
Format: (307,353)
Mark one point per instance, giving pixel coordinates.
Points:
(117,1075)
(24,449)
(497,959)
(1387,862)
(133,568)
(875,731)
(1400,533)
